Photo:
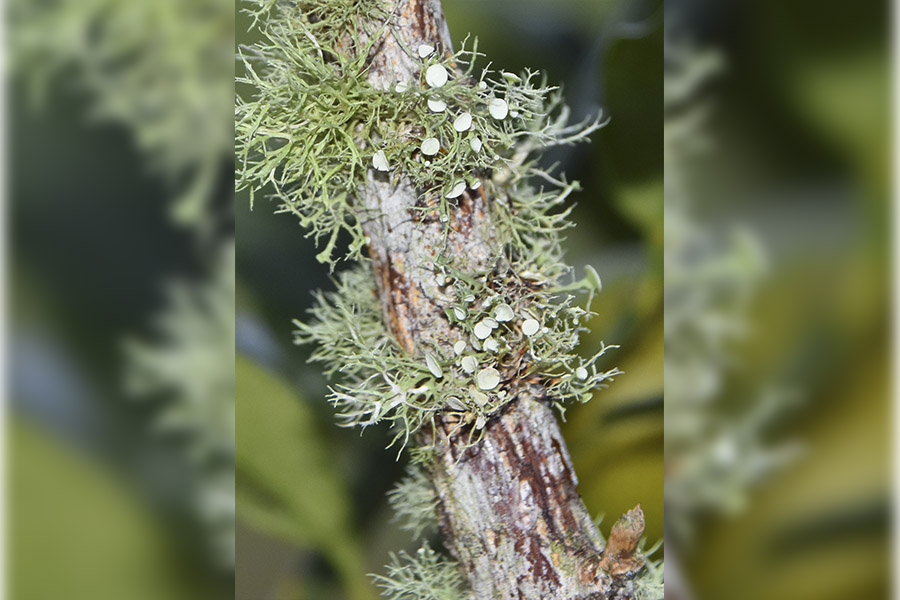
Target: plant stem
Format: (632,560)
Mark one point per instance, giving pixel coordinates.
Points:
(509,508)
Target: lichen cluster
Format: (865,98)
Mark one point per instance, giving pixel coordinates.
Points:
(650,585)
(528,332)
(415,502)
(313,129)
(311,125)
(423,576)
(161,69)
(716,449)
(191,365)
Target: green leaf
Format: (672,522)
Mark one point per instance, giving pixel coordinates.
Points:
(627,468)
(76,532)
(287,481)
(642,205)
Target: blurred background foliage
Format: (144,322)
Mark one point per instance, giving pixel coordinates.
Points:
(97,498)
(312,511)
(119,189)
(121,227)
(799,157)
(101,504)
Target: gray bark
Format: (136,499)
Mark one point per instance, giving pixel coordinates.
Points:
(509,508)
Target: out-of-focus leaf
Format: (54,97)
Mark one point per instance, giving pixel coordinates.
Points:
(616,439)
(77,533)
(287,483)
(642,205)
(819,530)
(847,100)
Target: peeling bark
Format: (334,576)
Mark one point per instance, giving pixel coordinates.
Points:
(509,507)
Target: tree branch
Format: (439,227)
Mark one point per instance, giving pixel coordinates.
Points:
(509,507)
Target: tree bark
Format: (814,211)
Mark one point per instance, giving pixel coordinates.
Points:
(509,508)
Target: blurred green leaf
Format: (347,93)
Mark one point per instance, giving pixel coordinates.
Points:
(287,483)
(837,496)
(642,205)
(616,439)
(77,532)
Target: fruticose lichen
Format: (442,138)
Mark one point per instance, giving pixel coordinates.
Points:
(315,125)
(424,576)
(191,366)
(534,332)
(650,584)
(311,127)
(716,450)
(415,502)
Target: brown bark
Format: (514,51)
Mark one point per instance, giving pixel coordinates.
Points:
(509,507)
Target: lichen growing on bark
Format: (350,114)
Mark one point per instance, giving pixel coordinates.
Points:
(462,317)
(311,131)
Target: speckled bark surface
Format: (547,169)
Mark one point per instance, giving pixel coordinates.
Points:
(509,507)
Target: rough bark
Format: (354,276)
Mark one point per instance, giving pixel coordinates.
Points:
(509,507)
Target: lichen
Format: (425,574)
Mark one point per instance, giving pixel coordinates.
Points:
(315,126)
(649,584)
(161,69)
(425,576)
(310,124)
(379,381)
(415,502)
(190,366)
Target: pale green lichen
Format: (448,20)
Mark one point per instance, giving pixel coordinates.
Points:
(162,69)
(425,576)
(649,584)
(415,502)
(312,127)
(382,382)
(379,380)
(525,322)
(190,367)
